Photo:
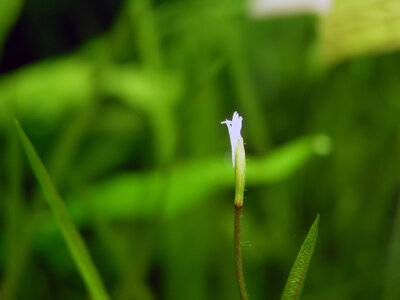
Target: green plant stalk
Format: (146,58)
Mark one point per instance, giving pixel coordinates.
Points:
(15,210)
(70,233)
(238,254)
(143,21)
(240,174)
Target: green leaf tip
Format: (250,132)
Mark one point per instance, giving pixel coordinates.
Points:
(70,233)
(299,270)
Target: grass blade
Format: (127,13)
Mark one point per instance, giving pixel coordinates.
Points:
(298,273)
(70,233)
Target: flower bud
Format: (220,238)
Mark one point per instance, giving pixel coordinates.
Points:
(240,172)
(238,155)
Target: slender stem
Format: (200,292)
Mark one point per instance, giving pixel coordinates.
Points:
(238,254)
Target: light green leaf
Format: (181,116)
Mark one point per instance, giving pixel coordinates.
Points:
(286,160)
(122,196)
(299,270)
(143,89)
(71,235)
(360,27)
(47,89)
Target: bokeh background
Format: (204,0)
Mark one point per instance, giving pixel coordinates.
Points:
(123,102)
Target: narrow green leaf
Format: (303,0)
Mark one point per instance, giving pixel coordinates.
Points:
(70,233)
(298,273)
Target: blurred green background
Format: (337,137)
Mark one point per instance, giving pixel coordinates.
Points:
(123,102)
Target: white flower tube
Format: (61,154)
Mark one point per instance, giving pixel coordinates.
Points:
(234,128)
(238,155)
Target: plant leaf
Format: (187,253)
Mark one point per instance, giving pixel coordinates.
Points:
(70,233)
(359,27)
(298,273)
(119,196)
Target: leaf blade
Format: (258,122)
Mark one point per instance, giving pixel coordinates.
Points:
(69,232)
(299,270)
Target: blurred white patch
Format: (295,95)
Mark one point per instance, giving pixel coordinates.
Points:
(261,8)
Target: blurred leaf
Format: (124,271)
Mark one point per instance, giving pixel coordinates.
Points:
(143,21)
(15,218)
(299,270)
(392,273)
(143,89)
(137,194)
(153,92)
(9,12)
(46,90)
(193,15)
(283,162)
(65,224)
(360,27)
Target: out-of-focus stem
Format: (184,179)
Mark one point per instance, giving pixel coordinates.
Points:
(238,255)
(144,22)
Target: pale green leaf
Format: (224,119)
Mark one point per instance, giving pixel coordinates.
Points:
(360,27)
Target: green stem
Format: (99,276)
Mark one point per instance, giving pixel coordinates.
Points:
(238,255)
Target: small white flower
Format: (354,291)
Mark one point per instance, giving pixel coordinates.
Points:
(234,128)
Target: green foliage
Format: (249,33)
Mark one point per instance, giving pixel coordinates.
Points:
(124,106)
(59,85)
(295,282)
(351,29)
(70,233)
(118,197)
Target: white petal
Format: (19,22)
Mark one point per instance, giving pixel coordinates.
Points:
(234,128)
